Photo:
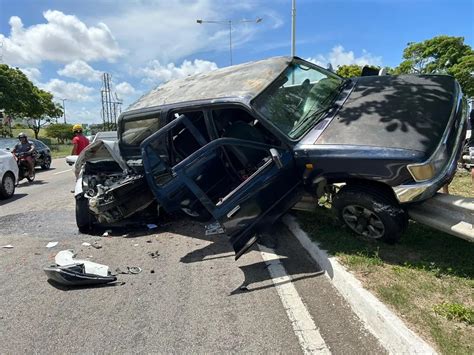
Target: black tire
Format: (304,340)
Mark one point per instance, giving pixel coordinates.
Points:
(371,212)
(84,219)
(7,187)
(46,163)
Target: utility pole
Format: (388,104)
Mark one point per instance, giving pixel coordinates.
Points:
(64,110)
(293,28)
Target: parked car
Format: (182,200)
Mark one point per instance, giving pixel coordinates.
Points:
(8,174)
(241,145)
(42,155)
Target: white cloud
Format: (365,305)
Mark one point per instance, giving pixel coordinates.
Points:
(168,31)
(156,72)
(33,74)
(338,56)
(67,90)
(124,89)
(80,70)
(63,38)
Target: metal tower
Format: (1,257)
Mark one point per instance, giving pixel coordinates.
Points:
(111,104)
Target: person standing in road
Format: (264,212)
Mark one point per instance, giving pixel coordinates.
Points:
(79,141)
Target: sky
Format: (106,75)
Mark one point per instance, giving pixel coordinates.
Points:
(64,46)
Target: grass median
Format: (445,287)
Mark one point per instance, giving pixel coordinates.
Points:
(427,278)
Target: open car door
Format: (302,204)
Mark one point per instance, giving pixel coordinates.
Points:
(244,185)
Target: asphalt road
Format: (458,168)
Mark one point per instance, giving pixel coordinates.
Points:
(193,297)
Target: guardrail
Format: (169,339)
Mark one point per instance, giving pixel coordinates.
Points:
(451,214)
(448,213)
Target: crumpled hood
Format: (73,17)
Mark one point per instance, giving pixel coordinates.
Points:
(98,151)
(408,112)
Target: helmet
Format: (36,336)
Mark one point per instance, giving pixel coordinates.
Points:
(77,128)
(22,135)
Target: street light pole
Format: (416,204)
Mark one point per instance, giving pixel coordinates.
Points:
(64,110)
(293,28)
(229,22)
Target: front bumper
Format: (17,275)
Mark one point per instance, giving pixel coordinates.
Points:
(423,190)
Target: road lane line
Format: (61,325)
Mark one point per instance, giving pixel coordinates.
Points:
(310,339)
(60,172)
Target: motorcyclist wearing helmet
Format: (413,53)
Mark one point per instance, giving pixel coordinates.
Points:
(27,148)
(79,141)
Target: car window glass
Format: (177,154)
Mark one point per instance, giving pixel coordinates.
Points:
(294,100)
(135,131)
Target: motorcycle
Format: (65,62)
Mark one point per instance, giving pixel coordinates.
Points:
(23,171)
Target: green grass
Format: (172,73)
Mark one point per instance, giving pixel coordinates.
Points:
(427,278)
(60,150)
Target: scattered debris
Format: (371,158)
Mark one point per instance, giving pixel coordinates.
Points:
(74,272)
(129,270)
(135,245)
(96,245)
(148,241)
(107,233)
(151,226)
(244,287)
(9,246)
(86,244)
(51,244)
(152,271)
(214,228)
(154,254)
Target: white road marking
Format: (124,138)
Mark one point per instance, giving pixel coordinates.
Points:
(60,172)
(310,339)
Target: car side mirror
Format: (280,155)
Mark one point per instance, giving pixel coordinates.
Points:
(276,158)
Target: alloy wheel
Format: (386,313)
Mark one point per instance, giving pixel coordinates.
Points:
(363,221)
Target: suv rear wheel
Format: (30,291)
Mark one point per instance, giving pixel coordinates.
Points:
(371,212)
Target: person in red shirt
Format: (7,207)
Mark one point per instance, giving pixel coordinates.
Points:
(79,141)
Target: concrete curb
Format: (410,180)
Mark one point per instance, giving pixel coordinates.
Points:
(390,330)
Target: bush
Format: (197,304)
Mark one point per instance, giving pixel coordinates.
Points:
(61,131)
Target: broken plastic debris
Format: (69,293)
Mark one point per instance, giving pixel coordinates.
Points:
(97,245)
(214,228)
(86,244)
(66,257)
(151,226)
(74,272)
(107,233)
(9,246)
(51,244)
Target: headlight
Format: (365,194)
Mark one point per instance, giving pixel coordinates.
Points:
(430,168)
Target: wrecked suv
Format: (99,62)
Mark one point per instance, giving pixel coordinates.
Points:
(241,144)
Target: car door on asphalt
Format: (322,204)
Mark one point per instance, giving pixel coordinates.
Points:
(243,184)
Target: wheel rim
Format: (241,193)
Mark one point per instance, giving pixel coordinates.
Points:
(363,221)
(9,185)
(47,163)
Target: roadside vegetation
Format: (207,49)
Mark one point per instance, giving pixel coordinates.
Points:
(427,278)
(59,148)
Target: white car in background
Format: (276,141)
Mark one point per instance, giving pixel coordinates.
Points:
(8,174)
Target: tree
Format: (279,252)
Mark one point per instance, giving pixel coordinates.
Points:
(60,131)
(19,97)
(41,110)
(349,71)
(443,55)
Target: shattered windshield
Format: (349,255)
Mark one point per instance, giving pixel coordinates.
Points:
(298,98)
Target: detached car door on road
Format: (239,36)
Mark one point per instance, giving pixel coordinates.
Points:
(241,183)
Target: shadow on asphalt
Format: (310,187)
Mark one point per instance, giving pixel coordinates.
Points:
(14,198)
(75,288)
